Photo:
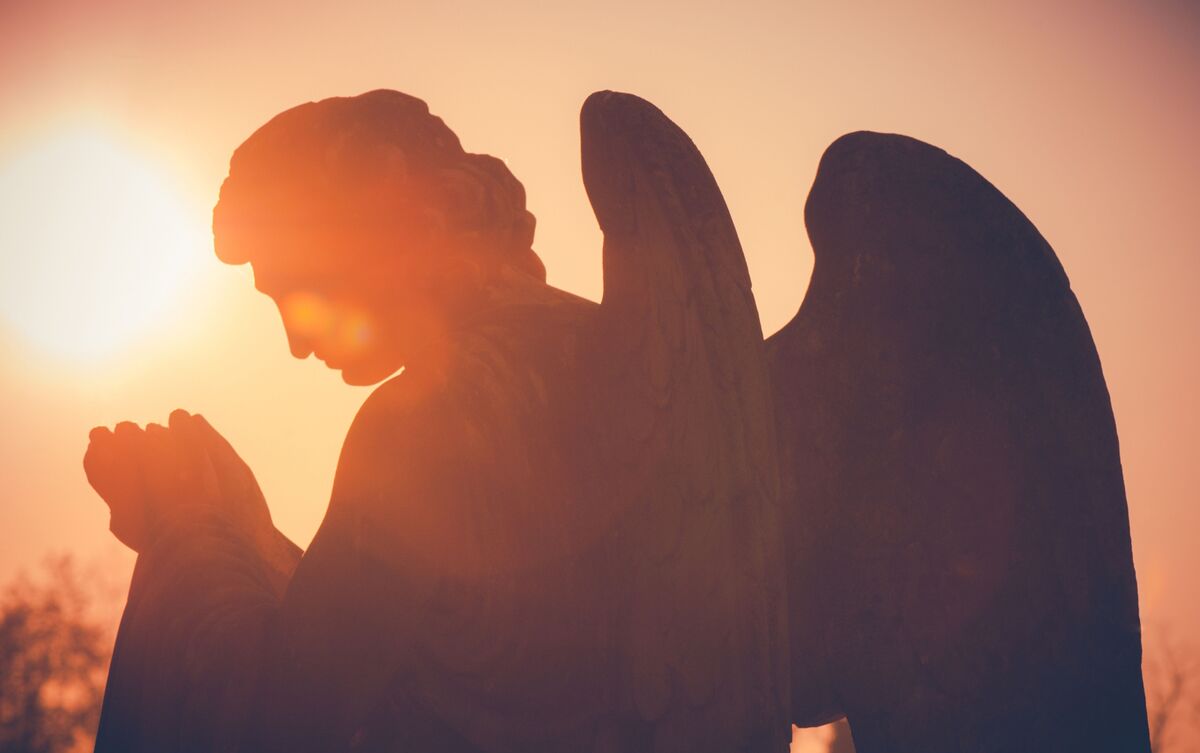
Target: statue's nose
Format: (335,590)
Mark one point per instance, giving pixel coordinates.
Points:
(301,347)
(299,341)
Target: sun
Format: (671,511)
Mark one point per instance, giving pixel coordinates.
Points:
(96,246)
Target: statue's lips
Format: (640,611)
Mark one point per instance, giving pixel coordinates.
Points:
(321,357)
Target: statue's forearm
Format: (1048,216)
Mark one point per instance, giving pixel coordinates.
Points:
(227,644)
(188,653)
(279,555)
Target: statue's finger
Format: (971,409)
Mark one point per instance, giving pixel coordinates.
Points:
(126,429)
(195,454)
(237,481)
(95,456)
(94,465)
(111,464)
(127,438)
(209,479)
(229,464)
(98,439)
(159,466)
(213,437)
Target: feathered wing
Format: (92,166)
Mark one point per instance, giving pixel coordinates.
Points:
(960,570)
(684,417)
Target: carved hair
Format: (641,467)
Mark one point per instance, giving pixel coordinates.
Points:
(375,166)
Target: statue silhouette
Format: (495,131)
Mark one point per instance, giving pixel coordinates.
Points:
(563,525)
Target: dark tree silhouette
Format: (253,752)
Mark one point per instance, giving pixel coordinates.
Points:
(54,653)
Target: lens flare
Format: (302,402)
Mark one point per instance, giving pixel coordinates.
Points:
(336,331)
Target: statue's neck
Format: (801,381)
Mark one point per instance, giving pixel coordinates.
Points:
(509,291)
(513,287)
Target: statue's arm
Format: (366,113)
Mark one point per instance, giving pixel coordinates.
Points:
(189,646)
(222,647)
(210,571)
(344,627)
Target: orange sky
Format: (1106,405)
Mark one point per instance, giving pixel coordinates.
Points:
(1086,116)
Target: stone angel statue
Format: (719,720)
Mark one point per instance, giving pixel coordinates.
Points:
(635,525)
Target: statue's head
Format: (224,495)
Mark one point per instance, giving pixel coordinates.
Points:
(370,227)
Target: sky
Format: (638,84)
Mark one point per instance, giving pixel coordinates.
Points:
(1084,114)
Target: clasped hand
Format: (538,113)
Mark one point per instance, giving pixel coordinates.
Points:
(148,476)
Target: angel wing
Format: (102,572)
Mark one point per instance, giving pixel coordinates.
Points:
(960,570)
(683,399)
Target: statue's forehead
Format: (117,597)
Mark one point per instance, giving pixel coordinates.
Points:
(314,255)
(281,273)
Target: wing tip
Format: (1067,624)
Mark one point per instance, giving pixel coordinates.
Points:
(607,105)
(863,173)
(852,173)
(912,204)
(607,114)
(616,130)
(868,142)
(870,156)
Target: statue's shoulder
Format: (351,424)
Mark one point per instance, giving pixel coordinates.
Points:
(470,434)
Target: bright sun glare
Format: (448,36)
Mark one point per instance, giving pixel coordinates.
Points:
(95,246)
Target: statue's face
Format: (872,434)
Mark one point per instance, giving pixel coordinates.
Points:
(366,313)
(331,318)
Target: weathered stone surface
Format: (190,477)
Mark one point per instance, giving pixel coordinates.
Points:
(960,566)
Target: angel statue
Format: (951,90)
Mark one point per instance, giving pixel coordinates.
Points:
(636,525)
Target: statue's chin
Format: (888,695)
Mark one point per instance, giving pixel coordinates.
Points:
(365,377)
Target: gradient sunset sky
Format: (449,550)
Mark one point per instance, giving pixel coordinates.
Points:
(1086,115)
